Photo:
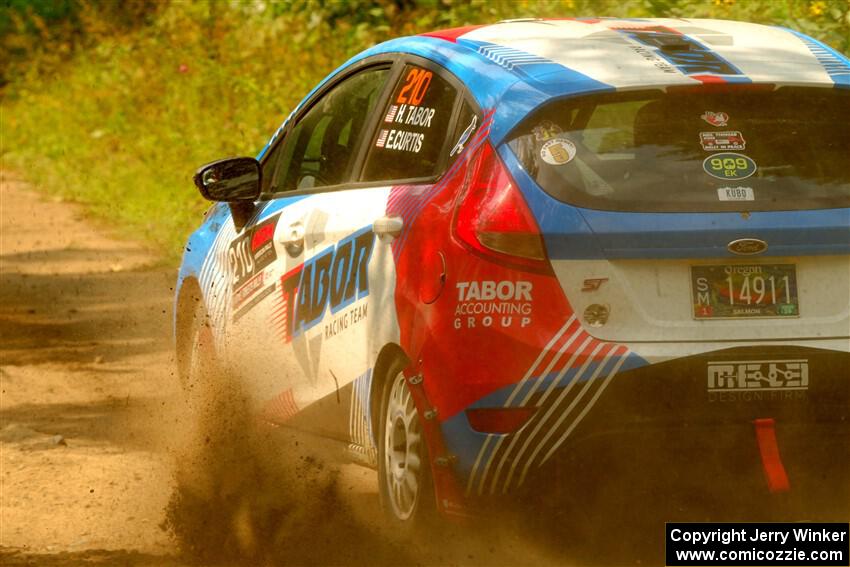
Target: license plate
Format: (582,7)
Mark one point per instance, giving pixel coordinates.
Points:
(735,291)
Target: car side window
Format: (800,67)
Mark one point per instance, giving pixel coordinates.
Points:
(413,127)
(467,125)
(320,149)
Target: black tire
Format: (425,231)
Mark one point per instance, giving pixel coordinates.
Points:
(406,486)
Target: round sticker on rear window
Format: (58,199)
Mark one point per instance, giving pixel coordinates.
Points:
(558,151)
(729,166)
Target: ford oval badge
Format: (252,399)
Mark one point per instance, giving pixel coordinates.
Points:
(747,246)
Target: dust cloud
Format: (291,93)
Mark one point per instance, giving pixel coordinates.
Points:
(248,492)
(105,459)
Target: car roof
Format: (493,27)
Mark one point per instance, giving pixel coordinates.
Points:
(515,66)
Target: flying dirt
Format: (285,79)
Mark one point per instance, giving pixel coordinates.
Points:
(106,459)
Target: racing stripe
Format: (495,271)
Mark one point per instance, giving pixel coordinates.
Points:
(553,351)
(578,333)
(620,359)
(498,448)
(591,365)
(525,378)
(508,57)
(589,349)
(835,65)
(360,430)
(280,408)
(215,283)
(571,325)
(515,439)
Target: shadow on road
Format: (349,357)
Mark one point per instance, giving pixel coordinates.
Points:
(83,317)
(116,421)
(18,558)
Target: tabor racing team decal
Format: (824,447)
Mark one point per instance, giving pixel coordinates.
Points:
(558,151)
(338,277)
(493,304)
(722,141)
(729,166)
(757,380)
(718,119)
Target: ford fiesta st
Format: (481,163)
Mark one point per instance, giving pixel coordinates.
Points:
(585,257)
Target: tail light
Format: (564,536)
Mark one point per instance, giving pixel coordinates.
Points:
(493,220)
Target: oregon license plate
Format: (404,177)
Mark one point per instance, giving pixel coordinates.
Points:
(732,291)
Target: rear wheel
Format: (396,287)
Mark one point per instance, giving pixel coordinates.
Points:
(404,471)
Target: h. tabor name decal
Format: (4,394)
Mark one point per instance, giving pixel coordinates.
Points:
(757,379)
(490,303)
(410,115)
(337,276)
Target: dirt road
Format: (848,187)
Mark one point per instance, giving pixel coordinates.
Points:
(87,390)
(92,417)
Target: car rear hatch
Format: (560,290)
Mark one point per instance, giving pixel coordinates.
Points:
(671,277)
(708,215)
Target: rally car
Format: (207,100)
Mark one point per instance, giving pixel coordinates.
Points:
(583,256)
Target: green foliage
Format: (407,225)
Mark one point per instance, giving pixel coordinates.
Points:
(47,10)
(115,104)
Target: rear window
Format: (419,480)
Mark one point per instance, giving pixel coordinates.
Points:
(735,149)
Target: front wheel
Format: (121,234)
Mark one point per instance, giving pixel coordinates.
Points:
(208,511)
(404,471)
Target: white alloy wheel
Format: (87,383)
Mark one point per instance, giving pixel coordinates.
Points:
(403,450)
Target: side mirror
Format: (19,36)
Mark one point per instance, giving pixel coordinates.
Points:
(230,180)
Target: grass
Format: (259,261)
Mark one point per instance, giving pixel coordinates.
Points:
(121,126)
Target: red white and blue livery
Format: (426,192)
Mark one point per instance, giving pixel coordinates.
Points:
(578,258)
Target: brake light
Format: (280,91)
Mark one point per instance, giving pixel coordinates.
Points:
(493,220)
(499,420)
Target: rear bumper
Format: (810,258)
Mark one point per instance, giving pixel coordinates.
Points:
(679,438)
